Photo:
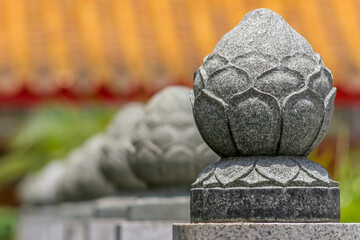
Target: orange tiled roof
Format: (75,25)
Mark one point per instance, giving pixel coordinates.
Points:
(129,45)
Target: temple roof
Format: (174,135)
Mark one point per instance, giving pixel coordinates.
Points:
(135,47)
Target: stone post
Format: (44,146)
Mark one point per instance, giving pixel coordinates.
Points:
(263,101)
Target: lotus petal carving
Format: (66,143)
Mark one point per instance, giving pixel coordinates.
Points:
(258,104)
(258,131)
(282,171)
(303,114)
(228,81)
(168,149)
(215,115)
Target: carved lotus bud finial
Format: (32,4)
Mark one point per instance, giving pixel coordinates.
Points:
(169,150)
(263,101)
(263,91)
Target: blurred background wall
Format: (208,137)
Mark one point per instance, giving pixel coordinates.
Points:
(102,53)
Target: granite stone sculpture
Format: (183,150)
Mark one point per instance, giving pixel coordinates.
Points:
(41,187)
(169,151)
(83,179)
(101,166)
(118,149)
(123,123)
(98,168)
(263,101)
(115,165)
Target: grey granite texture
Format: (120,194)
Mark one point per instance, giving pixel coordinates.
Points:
(263,91)
(265,204)
(266,231)
(264,171)
(169,150)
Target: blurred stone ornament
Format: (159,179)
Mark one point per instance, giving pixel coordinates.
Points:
(83,179)
(115,164)
(124,121)
(41,188)
(168,148)
(263,100)
(118,149)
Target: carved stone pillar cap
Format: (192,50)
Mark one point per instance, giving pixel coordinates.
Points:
(168,149)
(263,100)
(263,91)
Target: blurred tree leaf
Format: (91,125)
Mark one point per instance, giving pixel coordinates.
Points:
(8,220)
(349,179)
(51,132)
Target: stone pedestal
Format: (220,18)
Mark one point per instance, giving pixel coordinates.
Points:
(264,204)
(265,189)
(266,231)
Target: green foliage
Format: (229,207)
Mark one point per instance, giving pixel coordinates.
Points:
(349,178)
(348,175)
(8,220)
(50,133)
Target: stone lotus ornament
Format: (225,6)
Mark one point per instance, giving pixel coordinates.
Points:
(40,188)
(95,169)
(169,151)
(83,179)
(115,165)
(125,120)
(118,149)
(263,100)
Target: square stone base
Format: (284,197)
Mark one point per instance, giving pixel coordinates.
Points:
(266,231)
